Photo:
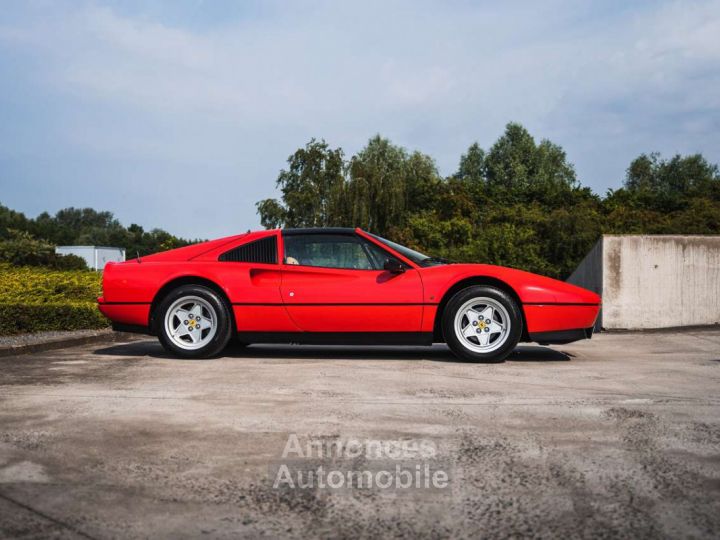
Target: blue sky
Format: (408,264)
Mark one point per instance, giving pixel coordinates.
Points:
(180,114)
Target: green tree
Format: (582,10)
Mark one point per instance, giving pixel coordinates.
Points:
(472,173)
(78,226)
(669,185)
(518,204)
(20,248)
(10,220)
(312,189)
(472,165)
(272,213)
(377,185)
(423,184)
(519,170)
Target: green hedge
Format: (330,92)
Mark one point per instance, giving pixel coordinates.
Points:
(36,299)
(24,318)
(33,285)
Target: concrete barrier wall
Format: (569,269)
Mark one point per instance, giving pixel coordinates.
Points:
(654,281)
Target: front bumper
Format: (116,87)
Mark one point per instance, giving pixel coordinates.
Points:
(541,318)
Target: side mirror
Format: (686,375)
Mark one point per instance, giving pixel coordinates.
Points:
(394,266)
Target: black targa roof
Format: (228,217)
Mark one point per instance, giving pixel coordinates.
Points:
(319,230)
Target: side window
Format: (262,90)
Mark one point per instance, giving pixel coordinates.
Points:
(332,251)
(260,251)
(376,254)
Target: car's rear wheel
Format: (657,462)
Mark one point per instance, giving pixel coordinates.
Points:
(194,322)
(482,324)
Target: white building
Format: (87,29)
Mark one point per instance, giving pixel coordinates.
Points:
(95,256)
(654,281)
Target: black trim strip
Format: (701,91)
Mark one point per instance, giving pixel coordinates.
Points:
(338,338)
(559,304)
(560,337)
(318,230)
(352,304)
(132,328)
(333,304)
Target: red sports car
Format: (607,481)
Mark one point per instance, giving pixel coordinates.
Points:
(337,286)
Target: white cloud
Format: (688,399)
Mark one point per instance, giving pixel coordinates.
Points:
(605,81)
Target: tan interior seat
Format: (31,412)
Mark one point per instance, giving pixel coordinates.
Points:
(291,260)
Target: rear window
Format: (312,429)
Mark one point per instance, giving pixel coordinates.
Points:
(260,251)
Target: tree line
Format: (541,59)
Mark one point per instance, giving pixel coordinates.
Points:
(32,241)
(518,203)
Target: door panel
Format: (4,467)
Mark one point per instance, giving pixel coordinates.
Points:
(254,291)
(348,300)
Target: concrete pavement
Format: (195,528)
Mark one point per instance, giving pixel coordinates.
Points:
(617,436)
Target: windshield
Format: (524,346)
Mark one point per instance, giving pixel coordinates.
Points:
(415,256)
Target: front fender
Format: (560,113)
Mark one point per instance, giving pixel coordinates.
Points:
(530,288)
(548,304)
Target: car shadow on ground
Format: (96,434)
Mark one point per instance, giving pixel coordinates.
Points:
(437,353)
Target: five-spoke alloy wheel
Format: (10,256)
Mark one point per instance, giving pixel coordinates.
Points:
(190,322)
(482,324)
(194,322)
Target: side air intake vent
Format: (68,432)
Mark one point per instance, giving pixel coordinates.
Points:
(259,251)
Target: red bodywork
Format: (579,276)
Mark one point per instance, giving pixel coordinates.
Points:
(282,298)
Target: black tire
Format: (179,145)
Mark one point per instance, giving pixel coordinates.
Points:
(514,316)
(223,322)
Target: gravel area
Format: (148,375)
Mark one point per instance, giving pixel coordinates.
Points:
(616,437)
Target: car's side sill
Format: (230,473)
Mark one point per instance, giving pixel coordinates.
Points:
(560,337)
(339,338)
(313,338)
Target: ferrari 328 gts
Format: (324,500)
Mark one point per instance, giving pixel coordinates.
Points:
(337,286)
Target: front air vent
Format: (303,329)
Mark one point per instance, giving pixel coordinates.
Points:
(260,251)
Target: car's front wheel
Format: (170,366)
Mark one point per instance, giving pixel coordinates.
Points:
(194,322)
(482,324)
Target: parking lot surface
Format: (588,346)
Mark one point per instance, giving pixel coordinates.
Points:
(615,436)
